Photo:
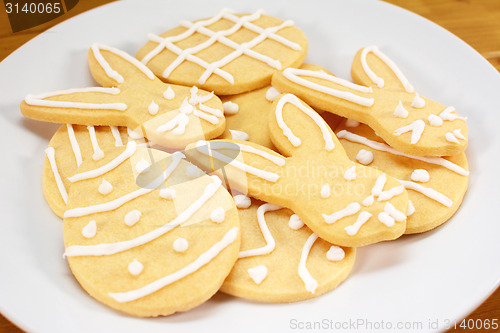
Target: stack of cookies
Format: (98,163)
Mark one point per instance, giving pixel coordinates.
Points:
(217,160)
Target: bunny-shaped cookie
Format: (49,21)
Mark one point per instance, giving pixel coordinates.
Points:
(384,100)
(343,202)
(169,115)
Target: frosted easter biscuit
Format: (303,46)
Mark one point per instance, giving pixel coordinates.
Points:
(145,237)
(435,185)
(132,96)
(227,53)
(70,145)
(382,98)
(282,260)
(344,203)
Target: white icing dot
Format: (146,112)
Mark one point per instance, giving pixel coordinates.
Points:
(186,108)
(368,201)
(418,102)
(218,215)
(364,157)
(386,219)
(242,201)
(167,193)
(435,120)
(451,138)
(420,175)
(180,245)
(351,123)
(169,93)
(230,107)
(258,273)
(135,267)
(400,111)
(272,93)
(239,135)
(325,191)
(335,253)
(192,171)
(105,187)
(411,208)
(153,108)
(295,222)
(350,174)
(458,134)
(132,217)
(142,166)
(89,230)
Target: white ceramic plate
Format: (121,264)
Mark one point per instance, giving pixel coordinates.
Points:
(438,276)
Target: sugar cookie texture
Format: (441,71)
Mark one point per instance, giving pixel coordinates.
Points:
(154,266)
(228,53)
(382,98)
(281,264)
(132,96)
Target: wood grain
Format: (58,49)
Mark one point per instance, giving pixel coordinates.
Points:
(477,22)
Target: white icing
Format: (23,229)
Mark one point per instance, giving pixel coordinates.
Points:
(451,138)
(98,153)
(116,134)
(420,175)
(268,237)
(167,193)
(272,93)
(239,135)
(428,192)
(218,215)
(181,245)
(350,174)
(293,74)
(418,102)
(153,108)
(354,228)
(276,159)
(411,208)
(394,213)
(368,201)
(135,267)
(351,123)
(459,134)
(134,135)
(295,222)
(50,152)
(325,191)
(335,253)
(201,261)
(169,93)
(132,217)
(417,127)
(129,151)
(142,166)
(258,273)
(105,187)
(112,248)
(379,185)
(447,114)
(177,125)
(435,121)
(192,171)
(310,283)
(378,80)
(384,147)
(242,201)
(74,144)
(230,107)
(295,141)
(400,111)
(389,194)
(364,157)
(90,230)
(386,219)
(349,210)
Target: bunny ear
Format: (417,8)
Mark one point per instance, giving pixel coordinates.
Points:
(112,67)
(245,166)
(84,106)
(371,67)
(295,127)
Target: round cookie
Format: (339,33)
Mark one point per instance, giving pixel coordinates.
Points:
(282,260)
(435,185)
(148,233)
(228,53)
(68,147)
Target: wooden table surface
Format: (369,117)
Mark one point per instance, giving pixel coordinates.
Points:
(477,22)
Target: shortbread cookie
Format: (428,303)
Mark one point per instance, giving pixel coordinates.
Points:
(345,203)
(70,145)
(169,115)
(436,185)
(228,53)
(384,100)
(282,260)
(147,233)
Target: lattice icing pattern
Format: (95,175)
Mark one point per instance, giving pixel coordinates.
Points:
(383,98)
(154,247)
(228,53)
(132,96)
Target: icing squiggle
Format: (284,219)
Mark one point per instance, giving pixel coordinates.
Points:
(249,149)
(417,128)
(310,283)
(98,153)
(74,144)
(428,192)
(116,134)
(50,152)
